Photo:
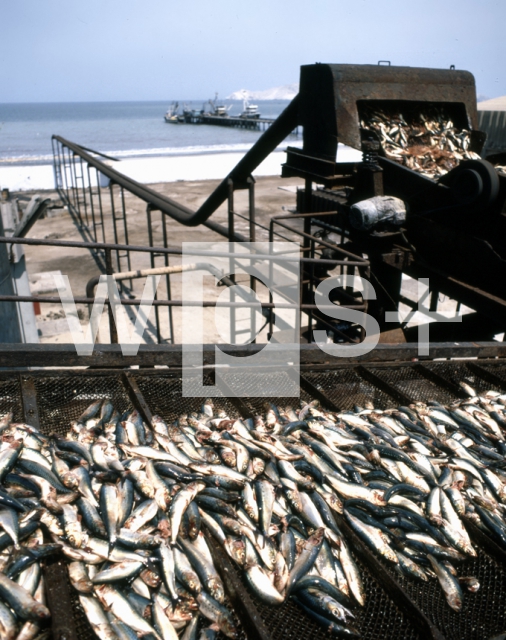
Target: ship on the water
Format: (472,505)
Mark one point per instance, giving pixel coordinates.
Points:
(172,116)
(220,110)
(249,110)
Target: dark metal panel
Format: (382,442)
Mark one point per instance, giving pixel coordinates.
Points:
(135,395)
(29,399)
(63,625)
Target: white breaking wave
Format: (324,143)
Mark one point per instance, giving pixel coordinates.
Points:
(148,170)
(197,150)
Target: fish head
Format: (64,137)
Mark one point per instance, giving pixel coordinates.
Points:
(216,589)
(40,612)
(227,625)
(258,466)
(455,601)
(378,497)
(229,457)
(83,586)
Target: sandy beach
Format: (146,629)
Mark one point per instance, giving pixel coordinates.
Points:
(157,169)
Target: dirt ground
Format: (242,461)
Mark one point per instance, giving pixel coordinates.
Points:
(273,196)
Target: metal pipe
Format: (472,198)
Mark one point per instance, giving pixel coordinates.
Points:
(162,250)
(179,303)
(158,271)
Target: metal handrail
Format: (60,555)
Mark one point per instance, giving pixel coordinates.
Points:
(173,251)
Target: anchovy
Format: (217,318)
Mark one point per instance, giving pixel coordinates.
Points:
(167,565)
(306,559)
(97,618)
(109,506)
(205,570)
(216,612)
(114,601)
(449,584)
(119,571)
(21,602)
(162,622)
(179,506)
(79,577)
(10,524)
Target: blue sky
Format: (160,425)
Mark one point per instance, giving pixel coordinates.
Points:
(70,50)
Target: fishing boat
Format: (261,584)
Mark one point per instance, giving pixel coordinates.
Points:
(172,116)
(218,110)
(249,110)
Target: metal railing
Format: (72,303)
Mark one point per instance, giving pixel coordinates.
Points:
(96,196)
(108,248)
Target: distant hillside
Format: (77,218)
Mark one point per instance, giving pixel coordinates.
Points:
(286,92)
(495,104)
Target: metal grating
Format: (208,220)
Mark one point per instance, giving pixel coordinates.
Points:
(346,389)
(412,383)
(247,382)
(498,369)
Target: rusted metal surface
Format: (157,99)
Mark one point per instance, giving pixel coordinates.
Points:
(59,601)
(107,355)
(29,400)
(329,94)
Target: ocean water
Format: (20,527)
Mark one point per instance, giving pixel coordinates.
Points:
(121,129)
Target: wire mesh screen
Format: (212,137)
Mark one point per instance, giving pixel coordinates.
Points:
(10,398)
(498,370)
(346,389)
(456,372)
(62,399)
(411,383)
(248,382)
(164,395)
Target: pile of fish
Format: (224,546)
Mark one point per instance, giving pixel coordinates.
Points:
(127,502)
(429,144)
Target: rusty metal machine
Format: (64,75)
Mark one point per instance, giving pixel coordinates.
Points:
(453,230)
(421,203)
